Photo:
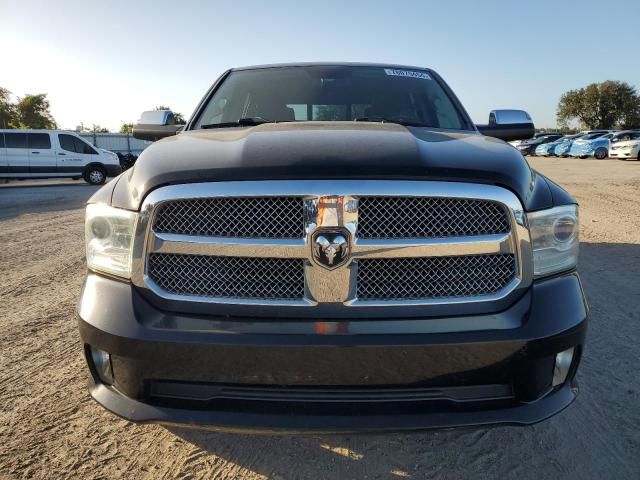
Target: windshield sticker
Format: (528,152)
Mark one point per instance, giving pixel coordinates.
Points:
(407,73)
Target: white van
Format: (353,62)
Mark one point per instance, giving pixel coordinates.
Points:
(54,153)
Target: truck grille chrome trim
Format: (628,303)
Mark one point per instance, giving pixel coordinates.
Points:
(431,243)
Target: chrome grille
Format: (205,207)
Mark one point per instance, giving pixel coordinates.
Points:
(260,217)
(270,243)
(228,277)
(435,277)
(427,217)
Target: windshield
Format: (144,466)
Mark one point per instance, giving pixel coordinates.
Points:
(625,136)
(591,136)
(331,93)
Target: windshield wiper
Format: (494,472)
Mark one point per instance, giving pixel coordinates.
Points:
(391,120)
(242,122)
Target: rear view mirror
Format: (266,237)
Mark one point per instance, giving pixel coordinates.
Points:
(508,125)
(156,124)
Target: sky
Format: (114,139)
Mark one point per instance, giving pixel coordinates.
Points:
(105,62)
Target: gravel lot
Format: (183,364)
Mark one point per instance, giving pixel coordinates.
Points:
(49,428)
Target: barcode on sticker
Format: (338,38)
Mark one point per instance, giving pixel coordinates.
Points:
(407,73)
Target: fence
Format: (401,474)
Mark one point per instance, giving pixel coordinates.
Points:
(121,143)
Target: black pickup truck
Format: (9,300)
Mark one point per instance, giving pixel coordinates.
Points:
(332,247)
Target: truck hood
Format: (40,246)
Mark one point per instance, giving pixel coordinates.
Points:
(330,150)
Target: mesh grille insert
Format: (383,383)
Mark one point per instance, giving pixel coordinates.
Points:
(434,277)
(245,217)
(230,277)
(426,217)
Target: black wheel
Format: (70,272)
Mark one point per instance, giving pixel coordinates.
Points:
(95,175)
(601,153)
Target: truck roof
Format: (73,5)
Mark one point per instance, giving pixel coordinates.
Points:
(36,130)
(329,64)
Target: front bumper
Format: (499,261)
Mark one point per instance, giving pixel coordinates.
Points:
(528,150)
(358,375)
(542,152)
(623,155)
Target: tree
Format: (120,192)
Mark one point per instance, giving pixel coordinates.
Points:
(7,109)
(178,116)
(32,111)
(126,128)
(631,118)
(98,129)
(601,105)
(94,128)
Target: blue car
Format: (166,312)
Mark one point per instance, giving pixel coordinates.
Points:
(597,147)
(543,149)
(575,147)
(550,148)
(528,147)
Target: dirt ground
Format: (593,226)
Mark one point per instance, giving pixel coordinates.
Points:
(49,428)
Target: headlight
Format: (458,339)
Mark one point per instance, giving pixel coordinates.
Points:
(109,235)
(554,239)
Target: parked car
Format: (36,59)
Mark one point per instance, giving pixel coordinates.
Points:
(528,147)
(54,153)
(624,136)
(627,148)
(597,147)
(515,143)
(547,149)
(127,160)
(596,144)
(600,147)
(332,247)
(563,149)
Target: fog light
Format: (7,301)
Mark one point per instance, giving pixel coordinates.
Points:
(102,363)
(561,368)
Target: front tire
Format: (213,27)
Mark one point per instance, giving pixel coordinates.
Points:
(601,153)
(95,175)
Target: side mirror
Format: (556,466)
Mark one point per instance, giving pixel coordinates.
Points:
(508,125)
(156,124)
